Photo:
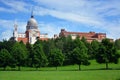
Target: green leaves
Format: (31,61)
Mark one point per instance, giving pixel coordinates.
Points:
(79,54)
(40,58)
(56,57)
(107,53)
(19,54)
(4,58)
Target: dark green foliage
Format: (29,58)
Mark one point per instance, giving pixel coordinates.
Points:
(117,44)
(84,41)
(67,48)
(94,46)
(107,53)
(59,43)
(79,54)
(68,45)
(6,45)
(59,51)
(39,59)
(56,58)
(18,55)
(48,45)
(30,55)
(5,58)
(118,53)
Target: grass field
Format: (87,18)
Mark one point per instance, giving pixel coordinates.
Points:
(60,75)
(93,72)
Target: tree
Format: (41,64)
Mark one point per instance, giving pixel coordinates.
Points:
(5,58)
(117,44)
(25,52)
(30,55)
(48,45)
(56,58)
(107,53)
(18,55)
(68,45)
(84,40)
(118,53)
(6,45)
(67,48)
(59,43)
(79,55)
(40,58)
(94,48)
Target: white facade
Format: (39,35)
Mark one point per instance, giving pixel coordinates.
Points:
(43,35)
(15,32)
(32,33)
(22,35)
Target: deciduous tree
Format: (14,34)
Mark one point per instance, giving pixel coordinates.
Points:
(40,58)
(56,58)
(18,54)
(5,58)
(107,53)
(79,53)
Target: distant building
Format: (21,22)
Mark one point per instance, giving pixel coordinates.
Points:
(32,33)
(90,36)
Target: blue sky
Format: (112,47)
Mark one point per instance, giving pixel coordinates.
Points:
(52,15)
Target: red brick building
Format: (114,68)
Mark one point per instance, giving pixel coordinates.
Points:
(90,36)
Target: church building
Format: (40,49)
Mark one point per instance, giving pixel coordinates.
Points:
(32,33)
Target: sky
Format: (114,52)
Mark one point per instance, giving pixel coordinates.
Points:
(100,16)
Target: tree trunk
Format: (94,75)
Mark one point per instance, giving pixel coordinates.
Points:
(56,68)
(4,68)
(79,67)
(106,65)
(36,68)
(19,68)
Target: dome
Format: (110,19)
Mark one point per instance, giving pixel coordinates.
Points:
(32,24)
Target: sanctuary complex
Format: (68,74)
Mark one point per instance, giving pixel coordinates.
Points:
(89,36)
(32,33)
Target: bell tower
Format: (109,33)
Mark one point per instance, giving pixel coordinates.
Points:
(15,32)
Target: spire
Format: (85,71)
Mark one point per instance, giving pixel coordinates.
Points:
(15,33)
(15,25)
(32,13)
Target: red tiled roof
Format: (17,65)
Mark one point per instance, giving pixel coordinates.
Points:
(89,35)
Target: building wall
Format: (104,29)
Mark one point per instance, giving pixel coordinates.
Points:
(25,40)
(22,35)
(90,36)
(31,36)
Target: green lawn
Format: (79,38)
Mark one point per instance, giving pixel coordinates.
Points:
(61,75)
(93,72)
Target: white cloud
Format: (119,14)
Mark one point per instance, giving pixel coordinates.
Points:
(99,14)
(7,10)
(6,24)
(49,28)
(15,6)
(5,35)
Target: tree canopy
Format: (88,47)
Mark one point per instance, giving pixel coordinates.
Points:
(57,52)
(56,58)
(79,53)
(107,53)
